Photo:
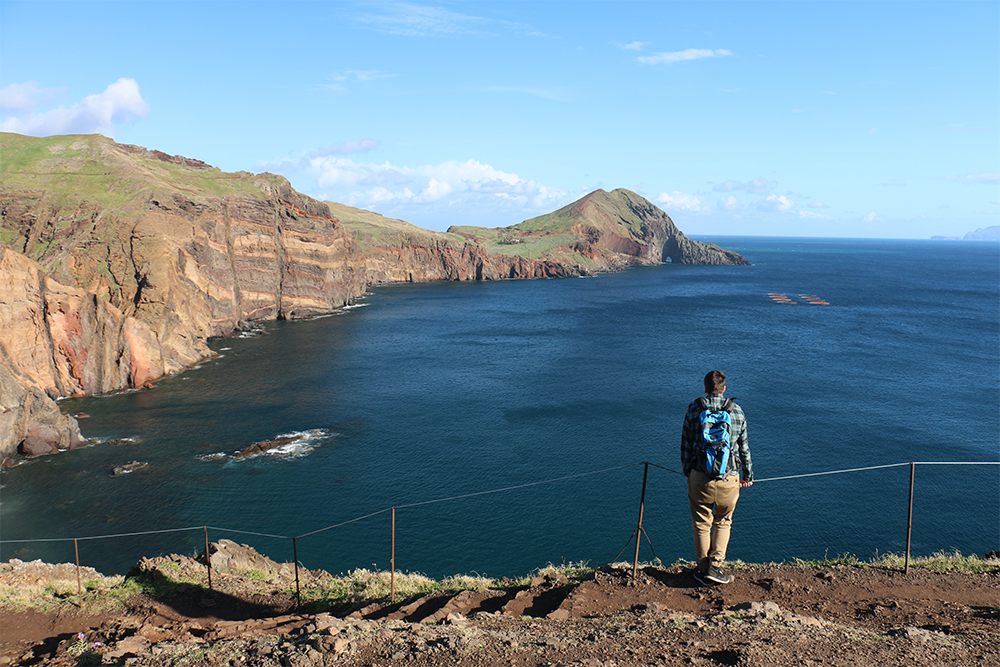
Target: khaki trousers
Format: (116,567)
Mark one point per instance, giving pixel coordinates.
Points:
(712,503)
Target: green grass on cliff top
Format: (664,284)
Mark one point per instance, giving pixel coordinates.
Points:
(74,169)
(372,229)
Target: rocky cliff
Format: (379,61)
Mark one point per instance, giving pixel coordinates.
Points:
(397,251)
(603,231)
(120,262)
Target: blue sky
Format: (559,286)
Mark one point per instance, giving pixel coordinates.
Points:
(852,119)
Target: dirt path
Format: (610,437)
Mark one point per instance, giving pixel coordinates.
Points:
(770,615)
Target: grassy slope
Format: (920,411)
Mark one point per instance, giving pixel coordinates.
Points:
(549,236)
(75,169)
(371,229)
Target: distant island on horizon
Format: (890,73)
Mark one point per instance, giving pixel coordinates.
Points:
(991,233)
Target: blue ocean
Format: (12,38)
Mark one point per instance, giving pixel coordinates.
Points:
(551,395)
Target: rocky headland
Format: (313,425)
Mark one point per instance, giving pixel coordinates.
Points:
(118,264)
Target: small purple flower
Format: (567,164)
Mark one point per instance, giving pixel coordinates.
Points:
(96,644)
(80,636)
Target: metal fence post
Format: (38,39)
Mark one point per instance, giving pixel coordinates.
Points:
(208,560)
(639,529)
(392,561)
(909,520)
(79,586)
(295,555)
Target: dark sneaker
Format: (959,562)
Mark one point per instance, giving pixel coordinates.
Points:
(717,576)
(699,576)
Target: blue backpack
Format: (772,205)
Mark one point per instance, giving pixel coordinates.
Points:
(716,428)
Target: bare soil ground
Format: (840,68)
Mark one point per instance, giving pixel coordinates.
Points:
(770,615)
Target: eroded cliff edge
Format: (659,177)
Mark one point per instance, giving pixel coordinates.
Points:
(120,262)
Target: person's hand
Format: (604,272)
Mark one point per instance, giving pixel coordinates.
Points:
(745,484)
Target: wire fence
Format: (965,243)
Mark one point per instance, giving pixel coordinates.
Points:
(636,536)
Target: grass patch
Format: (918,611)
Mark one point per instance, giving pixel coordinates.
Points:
(362,584)
(941,561)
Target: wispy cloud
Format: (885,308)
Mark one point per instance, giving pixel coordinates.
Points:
(814,216)
(871,217)
(669,58)
(21,97)
(979,178)
(360,75)
(757,186)
(120,102)
(410,19)
(344,148)
(632,46)
(818,204)
(342,78)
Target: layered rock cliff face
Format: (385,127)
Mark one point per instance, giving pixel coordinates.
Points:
(119,263)
(113,287)
(395,251)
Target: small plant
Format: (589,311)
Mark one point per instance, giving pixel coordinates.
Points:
(85,652)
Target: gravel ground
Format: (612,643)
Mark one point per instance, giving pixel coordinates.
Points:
(770,615)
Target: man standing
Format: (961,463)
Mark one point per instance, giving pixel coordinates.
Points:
(713,499)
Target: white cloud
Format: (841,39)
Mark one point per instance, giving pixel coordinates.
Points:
(119,103)
(818,204)
(345,148)
(20,97)
(395,189)
(871,217)
(686,54)
(979,178)
(729,186)
(729,203)
(679,201)
(633,46)
(757,186)
(405,18)
(774,203)
(815,216)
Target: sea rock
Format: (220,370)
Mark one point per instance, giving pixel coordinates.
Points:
(264,446)
(126,468)
(30,421)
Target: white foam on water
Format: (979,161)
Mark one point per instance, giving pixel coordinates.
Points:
(292,450)
(302,444)
(217,456)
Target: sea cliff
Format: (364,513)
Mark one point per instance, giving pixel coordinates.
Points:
(118,263)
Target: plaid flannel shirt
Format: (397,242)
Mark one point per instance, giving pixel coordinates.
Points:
(691,437)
